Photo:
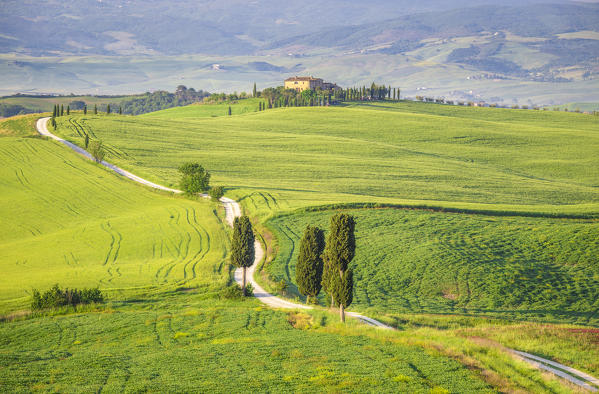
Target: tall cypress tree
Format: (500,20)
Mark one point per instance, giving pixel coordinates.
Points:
(54,112)
(255,92)
(108,109)
(308,271)
(68,109)
(339,251)
(229,112)
(120,110)
(95,109)
(85,110)
(61,109)
(242,245)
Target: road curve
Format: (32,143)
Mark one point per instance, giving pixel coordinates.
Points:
(233,210)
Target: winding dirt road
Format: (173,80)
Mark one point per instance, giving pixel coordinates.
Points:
(233,210)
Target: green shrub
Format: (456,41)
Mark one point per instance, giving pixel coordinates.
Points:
(216,192)
(56,297)
(232,292)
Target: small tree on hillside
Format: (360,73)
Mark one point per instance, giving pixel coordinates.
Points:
(194,178)
(242,245)
(97,150)
(308,271)
(95,109)
(108,109)
(216,193)
(86,140)
(339,251)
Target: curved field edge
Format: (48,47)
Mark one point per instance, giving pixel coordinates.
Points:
(418,261)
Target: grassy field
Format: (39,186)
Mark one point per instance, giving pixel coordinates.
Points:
(179,342)
(421,261)
(66,220)
(402,153)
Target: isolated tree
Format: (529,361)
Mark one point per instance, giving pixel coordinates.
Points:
(339,251)
(120,110)
(85,110)
(308,271)
(194,178)
(242,245)
(95,109)
(255,91)
(229,112)
(216,192)
(68,109)
(107,109)
(97,150)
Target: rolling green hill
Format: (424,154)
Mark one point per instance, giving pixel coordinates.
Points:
(518,168)
(160,261)
(67,221)
(420,261)
(413,153)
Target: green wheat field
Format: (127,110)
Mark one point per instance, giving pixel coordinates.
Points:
(477,229)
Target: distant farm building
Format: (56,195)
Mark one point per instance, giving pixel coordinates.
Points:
(308,83)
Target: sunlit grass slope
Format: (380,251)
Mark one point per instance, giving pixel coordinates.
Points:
(180,344)
(405,152)
(66,220)
(418,261)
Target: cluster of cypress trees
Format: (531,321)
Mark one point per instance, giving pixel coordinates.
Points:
(326,265)
(374,92)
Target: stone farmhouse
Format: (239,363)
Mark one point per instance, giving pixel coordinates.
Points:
(305,83)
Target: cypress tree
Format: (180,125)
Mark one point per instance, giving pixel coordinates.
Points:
(308,271)
(120,110)
(339,251)
(255,91)
(108,109)
(95,109)
(85,110)
(61,110)
(68,109)
(389,92)
(229,111)
(54,112)
(86,140)
(398,93)
(242,245)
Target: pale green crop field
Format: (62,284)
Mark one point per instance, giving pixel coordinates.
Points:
(66,220)
(479,158)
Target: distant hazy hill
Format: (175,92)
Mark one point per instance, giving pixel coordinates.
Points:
(512,30)
(127,27)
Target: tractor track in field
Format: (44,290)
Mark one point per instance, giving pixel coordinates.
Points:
(233,210)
